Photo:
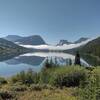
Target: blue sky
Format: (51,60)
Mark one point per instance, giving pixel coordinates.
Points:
(52,19)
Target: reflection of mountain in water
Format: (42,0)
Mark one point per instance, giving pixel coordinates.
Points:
(10,65)
(4,57)
(12,62)
(30,60)
(39,58)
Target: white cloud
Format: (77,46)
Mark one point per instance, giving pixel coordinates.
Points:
(52,47)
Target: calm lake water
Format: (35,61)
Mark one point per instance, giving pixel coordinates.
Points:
(35,60)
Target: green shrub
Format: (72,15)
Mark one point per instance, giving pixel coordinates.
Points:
(90,89)
(56,76)
(35,87)
(23,77)
(18,88)
(63,76)
(47,86)
(70,77)
(20,77)
(6,95)
(3,80)
(51,63)
(39,87)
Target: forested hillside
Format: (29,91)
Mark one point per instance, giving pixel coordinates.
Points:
(9,47)
(93,47)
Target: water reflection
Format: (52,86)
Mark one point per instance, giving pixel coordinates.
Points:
(62,58)
(12,65)
(29,60)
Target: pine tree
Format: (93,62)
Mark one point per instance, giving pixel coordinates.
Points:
(70,62)
(77,59)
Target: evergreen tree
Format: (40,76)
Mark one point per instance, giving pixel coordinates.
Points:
(70,62)
(47,64)
(77,59)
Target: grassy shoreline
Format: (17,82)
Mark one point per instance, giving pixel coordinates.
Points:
(56,83)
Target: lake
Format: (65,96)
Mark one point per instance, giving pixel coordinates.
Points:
(12,65)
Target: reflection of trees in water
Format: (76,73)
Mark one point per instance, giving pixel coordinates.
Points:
(77,59)
(91,60)
(56,61)
(36,60)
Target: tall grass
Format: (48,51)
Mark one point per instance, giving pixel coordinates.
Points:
(86,80)
(25,77)
(56,76)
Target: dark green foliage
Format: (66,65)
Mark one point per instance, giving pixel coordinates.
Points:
(57,76)
(92,48)
(28,77)
(18,88)
(63,76)
(50,63)
(35,87)
(39,87)
(77,59)
(92,60)
(70,62)
(8,47)
(90,89)
(6,95)
(3,81)
(47,64)
(56,62)
(69,79)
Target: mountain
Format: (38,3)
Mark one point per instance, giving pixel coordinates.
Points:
(90,52)
(62,42)
(56,47)
(92,47)
(36,42)
(31,40)
(13,38)
(8,47)
(81,40)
